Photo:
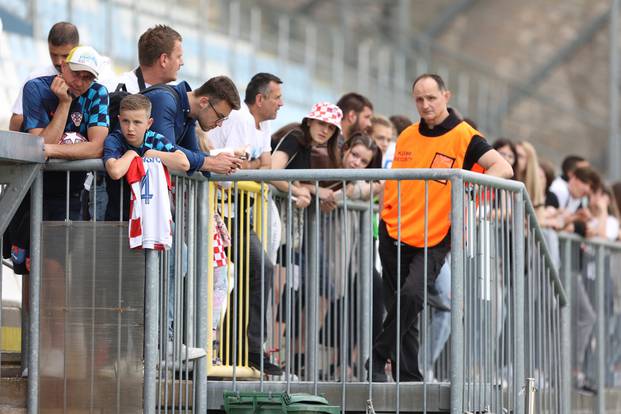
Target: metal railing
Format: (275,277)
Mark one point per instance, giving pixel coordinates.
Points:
(589,270)
(497,250)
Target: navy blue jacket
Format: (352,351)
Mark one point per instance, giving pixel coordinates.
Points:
(171,118)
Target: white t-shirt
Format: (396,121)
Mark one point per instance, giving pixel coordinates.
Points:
(128,78)
(240,130)
(612,227)
(37,73)
(389,155)
(560,188)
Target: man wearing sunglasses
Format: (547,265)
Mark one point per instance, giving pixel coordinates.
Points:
(177,110)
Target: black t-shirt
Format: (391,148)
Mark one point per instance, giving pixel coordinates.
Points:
(552,200)
(299,155)
(476,149)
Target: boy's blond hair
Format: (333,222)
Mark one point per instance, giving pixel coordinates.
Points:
(135,102)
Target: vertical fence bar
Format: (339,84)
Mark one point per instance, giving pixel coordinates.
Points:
(600,288)
(289,294)
(191,269)
(150,334)
(518,328)
(366,285)
(345,314)
(260,226)
(36,215)
(202,266)
(457,294)
(313,288)
(425,326)
(566,326)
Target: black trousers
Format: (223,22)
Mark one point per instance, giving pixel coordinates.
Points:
(412,298)
(255,316)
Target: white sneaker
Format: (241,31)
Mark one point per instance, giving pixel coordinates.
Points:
(192,353)
(430,378)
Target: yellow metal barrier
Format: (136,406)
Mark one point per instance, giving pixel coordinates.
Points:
(250,201)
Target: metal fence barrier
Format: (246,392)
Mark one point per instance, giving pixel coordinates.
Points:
(589,270)
(503,283)
(316,304)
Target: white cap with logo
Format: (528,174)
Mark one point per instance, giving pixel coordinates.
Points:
(84,58)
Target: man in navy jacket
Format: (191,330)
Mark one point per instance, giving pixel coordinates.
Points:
(177,109)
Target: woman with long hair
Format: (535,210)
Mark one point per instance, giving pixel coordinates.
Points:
(312,143)
(319,129)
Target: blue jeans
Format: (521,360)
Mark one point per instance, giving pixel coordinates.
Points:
(440,327)
(98,204)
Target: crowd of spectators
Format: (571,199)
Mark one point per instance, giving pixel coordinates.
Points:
(209,130)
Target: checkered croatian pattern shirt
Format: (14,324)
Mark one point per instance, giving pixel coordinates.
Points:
(115,145)
(87,110)
(94,107)
(155,141)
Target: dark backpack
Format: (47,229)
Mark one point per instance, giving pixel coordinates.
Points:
(115,98)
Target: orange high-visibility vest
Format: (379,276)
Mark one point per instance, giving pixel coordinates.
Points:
(415,150)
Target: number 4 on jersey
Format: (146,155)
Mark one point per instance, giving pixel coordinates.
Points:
(145,192)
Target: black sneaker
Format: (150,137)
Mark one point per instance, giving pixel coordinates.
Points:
(254,360)
(436,301)
(378,374)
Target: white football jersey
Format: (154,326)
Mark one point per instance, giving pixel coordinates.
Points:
(150,222)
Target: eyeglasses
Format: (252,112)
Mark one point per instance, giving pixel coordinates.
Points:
(221,117)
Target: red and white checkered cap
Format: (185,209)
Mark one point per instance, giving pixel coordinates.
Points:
(326,112)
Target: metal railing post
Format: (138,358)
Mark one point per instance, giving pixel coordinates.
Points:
(457,294)
(313,290)
(366,285)
(600,288)
(202,266)
(530,395)
(566,327)
(518,283)
(150,329)
(36,216)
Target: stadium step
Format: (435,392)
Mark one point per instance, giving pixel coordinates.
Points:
(13,393)
(10,365)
